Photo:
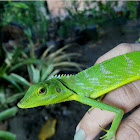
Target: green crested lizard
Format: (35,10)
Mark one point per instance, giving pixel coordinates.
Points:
(88,86)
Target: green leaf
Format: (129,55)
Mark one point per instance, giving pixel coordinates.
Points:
(53,73)
(6,77)
(30,72)
(19,79)
(47,72)
(8,59)
(70,64)
(5,135)
(28,32)
(8,113)
(35,74)
(3,69)
(15,97)
(25,62)
(19,5)
(2,97)
(52,55)
(46,52)
(65,56)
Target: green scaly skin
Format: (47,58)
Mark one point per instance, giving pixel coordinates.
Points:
(87,86)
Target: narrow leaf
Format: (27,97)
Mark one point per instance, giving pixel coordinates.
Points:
(6,77)
(5,135)
(47,72)
(19,5)
(65,57)
(2,96)
(52,55)
(70,64)
(30,72)
(19,79)
(53,73)
(46,52)
(15,97)
(8,113)
(27,61)
(36,74)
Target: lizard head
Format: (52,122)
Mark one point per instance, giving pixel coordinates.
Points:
(45,93)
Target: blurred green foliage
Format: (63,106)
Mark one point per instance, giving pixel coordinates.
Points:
(28,14)
(101,13)
(21,66)
(132,7)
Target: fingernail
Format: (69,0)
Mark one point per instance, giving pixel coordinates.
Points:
(80,135)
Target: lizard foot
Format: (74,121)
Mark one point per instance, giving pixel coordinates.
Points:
(110,134)
(90,109)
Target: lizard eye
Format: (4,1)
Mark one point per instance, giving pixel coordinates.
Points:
(42,90)
(58,89)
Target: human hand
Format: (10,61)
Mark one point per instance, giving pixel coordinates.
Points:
(126,97)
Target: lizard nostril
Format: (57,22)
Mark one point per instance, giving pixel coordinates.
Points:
(58,89)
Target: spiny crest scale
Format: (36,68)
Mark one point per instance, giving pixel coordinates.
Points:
(59,76)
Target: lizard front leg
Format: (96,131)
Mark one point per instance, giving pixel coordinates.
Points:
(119,114)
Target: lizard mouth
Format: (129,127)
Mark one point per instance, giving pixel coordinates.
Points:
(20,105)
(23,104)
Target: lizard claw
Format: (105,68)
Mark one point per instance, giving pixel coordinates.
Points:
(108,136)
(103,129)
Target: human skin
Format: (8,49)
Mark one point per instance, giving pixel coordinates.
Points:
(126,97)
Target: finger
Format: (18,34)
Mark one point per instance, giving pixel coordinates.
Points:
(119,50)
(129,129)
(126,97)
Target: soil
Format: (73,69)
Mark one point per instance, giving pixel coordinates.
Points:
(27,124)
